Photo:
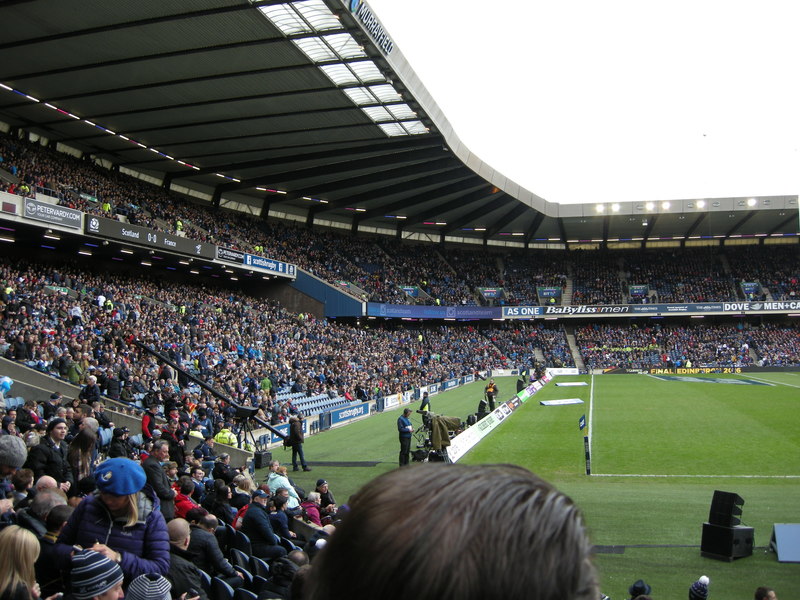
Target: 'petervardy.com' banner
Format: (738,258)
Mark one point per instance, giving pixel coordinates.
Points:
(50,213)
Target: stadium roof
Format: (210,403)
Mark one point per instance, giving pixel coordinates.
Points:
(305,109)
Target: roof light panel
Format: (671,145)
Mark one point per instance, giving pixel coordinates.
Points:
(415,127)
(392,129)
(401,111)
(316,49)
(286,19)
(385,93)
(378,113)
(367,71)
(339,74)
(359,95)
(317,13)
(345,45)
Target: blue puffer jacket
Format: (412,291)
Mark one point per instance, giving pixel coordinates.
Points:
(144,547)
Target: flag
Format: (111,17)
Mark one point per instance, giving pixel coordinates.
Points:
(582,422)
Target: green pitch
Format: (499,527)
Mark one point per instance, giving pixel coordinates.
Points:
(660,447)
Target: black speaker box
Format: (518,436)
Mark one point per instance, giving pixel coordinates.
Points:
(262,459)
(726,508)
(726,543)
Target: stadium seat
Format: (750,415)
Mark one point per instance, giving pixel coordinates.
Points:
(242,542)
(220,590)
(205,580)
(239,559)
(259,567)
(258,583)
(244,594)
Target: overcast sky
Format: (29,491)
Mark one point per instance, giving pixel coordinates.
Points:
(587,101)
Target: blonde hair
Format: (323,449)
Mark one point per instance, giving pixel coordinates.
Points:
(21,549)
(281,471)
(133,510)
(244,482)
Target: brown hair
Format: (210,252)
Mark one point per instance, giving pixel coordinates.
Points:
(512,535)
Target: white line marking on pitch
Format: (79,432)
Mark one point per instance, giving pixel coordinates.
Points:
(700,476)
(770,381)
(591,413)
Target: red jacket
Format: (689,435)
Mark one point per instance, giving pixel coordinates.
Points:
(183,504)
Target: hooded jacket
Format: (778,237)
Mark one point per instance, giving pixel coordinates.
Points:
(144,547)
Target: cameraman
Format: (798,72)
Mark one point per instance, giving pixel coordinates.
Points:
(405,429)
(490,391)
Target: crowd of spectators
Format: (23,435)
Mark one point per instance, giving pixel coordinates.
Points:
(519,342)
(706,346)
(776,268)
(84,518)
(378,268)
(231,341)
(775,345)
(596,278)
(526,272)
(630,347)
(676,276)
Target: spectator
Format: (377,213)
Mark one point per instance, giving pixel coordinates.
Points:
(183,573)
(158,479)
(277,480)
(205,452)
(184,501)
(81,455)
(547,529)
(311,508)
(279,519)
(223,470)
(220,506)
(34,517)
(282,574)
(765,593)
(120,446)
(699,589)
(22,481)
(47,573)
(327,501)
(49,408)
(256,525)
(149,422)
(639,588)
(149,586)
(95,577)
(204,548)
(122,522)
(91,391)
(296,440)
(20,550)
(199,481)
(49,457)
(242,490)
(27,417)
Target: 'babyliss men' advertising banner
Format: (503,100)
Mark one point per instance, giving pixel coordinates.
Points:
(623,310)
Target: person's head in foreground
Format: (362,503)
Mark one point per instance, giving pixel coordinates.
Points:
(95,577)
(509,535)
